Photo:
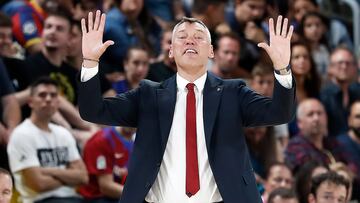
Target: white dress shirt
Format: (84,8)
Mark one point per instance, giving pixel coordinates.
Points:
(169,185)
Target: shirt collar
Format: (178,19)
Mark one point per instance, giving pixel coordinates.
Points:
(199,83)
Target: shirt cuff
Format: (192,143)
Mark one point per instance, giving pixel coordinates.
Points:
(88,73)
(284,80)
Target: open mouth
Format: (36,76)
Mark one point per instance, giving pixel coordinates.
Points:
(190,51)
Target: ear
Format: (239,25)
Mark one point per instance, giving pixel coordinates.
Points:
(171,55)
(211,52)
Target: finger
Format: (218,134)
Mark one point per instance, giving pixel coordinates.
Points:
(265,46)
(90,21)
(271,27)
(289,34)
(83,26)
(106,45)
(102,22)
(284,27)
(97,20)
(278,25)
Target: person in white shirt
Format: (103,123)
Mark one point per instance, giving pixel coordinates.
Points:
(44,158)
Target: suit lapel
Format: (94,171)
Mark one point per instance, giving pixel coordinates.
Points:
(166,99)
(212,94)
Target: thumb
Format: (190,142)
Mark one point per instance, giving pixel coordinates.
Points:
(106,45)
(265,46)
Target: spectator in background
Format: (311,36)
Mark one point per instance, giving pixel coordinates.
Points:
(164,67)
(308,81)
(278,176)
(312,30)
(310,144)
(136,66)
(304,175)
(283,195)
(6,186)
(350,145)
(9,113)
(328,187)
(245,19)
(124,28)
(341,169)
(337,33)
(341,91)
(44,158)
(263,149)
(106,156)
(211,12)
(227,54)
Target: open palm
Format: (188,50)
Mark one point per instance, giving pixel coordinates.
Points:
(92,36)
(279,46)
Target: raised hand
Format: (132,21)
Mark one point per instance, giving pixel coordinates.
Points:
(92,36)
(279,46)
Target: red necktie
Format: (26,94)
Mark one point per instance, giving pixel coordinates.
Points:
(192,170)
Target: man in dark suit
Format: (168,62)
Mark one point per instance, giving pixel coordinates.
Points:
(190,145)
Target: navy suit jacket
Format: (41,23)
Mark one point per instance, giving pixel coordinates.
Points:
(229,105)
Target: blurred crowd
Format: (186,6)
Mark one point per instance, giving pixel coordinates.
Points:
(55,156)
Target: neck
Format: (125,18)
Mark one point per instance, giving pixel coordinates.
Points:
(316,140)
(75,61)
(133,84)
(55,56)
(222,74)
(192,74)
(354,137)
(43,124)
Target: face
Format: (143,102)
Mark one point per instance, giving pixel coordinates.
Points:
(44,102)
(300,60)
(191,47)
(279,176)
(329,193)
(314,28)
(5,188)
(56,33)
(279,199)
(301,7)
(218,14)
(137,66)
(132,8)
(5,41)
(166,43)
(249,10)
(354,119)
(74,45)
(342,66)
(227,54)
(263,84)
(312,121)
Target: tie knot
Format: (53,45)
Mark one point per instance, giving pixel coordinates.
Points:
(190,86)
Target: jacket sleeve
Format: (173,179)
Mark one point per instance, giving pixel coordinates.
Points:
(119,110)
(258,110)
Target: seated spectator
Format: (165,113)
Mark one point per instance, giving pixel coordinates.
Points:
(164,67)
(311,143)
(263,149)
(136,66)
(6,186)
(312,30)
(9,114)
(341,169)
(106,157)
(328,187)
(278,176)
(44,158)
(350,146)
(283,195)
(227,54)
(341,91)
(303,178)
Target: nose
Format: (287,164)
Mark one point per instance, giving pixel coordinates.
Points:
(190,40)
